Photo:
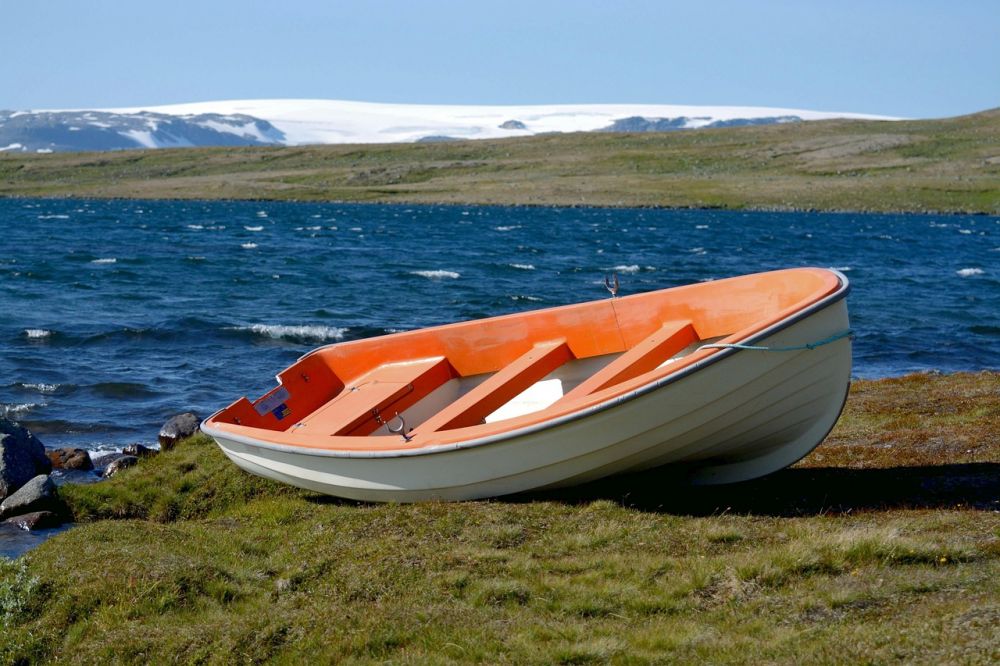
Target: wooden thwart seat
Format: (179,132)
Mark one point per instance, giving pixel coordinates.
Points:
(669,339)
(500,388)
(380,393)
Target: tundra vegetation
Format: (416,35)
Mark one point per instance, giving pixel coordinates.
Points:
(945,165)
(882,545)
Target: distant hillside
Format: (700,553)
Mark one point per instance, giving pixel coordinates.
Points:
(951,164)
(301,122)
(62,131)
(641,124)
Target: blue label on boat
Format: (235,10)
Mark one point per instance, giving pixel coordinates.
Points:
(272,400)
(281,411)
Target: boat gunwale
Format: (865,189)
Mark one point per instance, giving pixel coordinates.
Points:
(613,401)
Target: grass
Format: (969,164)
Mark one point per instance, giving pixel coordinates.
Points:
(861,553)
(950,164)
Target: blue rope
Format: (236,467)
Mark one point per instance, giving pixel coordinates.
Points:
(812,345)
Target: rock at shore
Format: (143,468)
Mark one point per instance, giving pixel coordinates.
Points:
(38,494)
(139,451)
(102,460)
(177,428)
(36,520)
(118,465)
(22,457)
(69,458)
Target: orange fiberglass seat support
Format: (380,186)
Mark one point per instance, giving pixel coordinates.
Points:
(500,387)
(669,339)
(375,397)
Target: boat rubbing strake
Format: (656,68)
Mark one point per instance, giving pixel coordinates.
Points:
(733,379)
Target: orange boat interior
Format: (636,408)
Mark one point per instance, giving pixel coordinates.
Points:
(480,378)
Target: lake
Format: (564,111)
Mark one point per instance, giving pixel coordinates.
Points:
(118,314)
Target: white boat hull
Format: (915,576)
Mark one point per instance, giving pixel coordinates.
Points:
(745,414)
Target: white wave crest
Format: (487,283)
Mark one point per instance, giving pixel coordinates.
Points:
(969,272)
(283,332)
(437,275)
(53,217)
(36,333)
(257,228)
(248,246)
(108,260)
(631,268)
(510,227)
(42,388)
(196,227)
(18,410)
(523,267)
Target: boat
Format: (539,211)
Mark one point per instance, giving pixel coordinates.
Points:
(725,381)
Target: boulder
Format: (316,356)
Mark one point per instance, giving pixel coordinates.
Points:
(38,494)
(119,464)
(67,458)
(139,451)
(36,520)
(104,459)
(177,428)
(22,457)
(513,125)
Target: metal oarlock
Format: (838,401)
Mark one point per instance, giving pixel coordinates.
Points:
(612,284)
(401,430)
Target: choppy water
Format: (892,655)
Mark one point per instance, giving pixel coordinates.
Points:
(115,315)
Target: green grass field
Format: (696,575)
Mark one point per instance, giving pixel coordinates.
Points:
(881,546)
(950,165)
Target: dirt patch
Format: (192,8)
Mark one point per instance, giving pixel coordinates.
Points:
(825,148)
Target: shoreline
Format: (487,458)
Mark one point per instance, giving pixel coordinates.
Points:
(533,205)
(104,448)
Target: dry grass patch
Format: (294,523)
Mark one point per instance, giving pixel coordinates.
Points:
(919,419)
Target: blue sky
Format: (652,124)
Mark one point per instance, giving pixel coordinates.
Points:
(907,58)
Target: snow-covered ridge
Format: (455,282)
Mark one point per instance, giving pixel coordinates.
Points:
(305,121)
(311,121)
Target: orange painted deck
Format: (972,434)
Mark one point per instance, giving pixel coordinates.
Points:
(338,396)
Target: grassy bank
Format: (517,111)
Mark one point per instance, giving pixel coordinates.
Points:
(883,545)
(941,165)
